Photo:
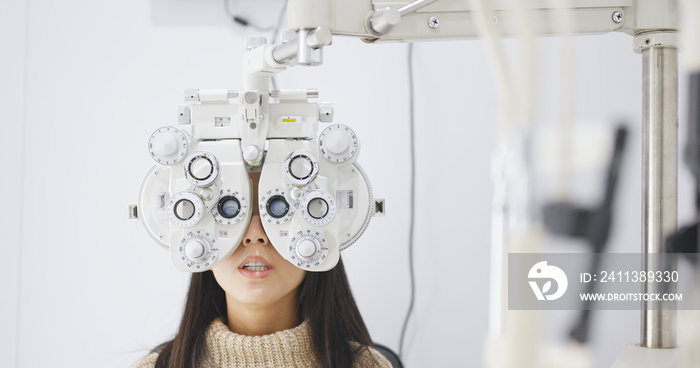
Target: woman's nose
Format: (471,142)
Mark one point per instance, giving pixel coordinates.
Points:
(256,233)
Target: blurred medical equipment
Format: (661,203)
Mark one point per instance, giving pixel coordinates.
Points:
(688,238)
(590,224)
(314,199)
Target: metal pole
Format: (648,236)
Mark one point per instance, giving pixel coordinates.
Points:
(659,188)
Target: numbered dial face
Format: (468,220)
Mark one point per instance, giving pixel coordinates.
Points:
(201,168)
(300,168)
(168,145)
(185,209)
(338,143)
(317,208)
(198,250)
(231,208)
(308,249)
(274,207)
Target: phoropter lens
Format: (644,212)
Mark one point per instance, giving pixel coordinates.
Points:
(318,208)
(184,209)
(277,206)
(229,207)
(301,167)
(201,168)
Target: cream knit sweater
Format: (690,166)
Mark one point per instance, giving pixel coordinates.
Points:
(288,348)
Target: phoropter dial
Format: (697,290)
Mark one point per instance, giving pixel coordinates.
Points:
(168,145)
(338,143)
(185,209)
(274,207)
(317,208)
(300,168)
(231,208)
(198,250)
(201,168)
(308,249)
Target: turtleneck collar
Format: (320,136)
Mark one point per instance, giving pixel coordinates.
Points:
(229,349)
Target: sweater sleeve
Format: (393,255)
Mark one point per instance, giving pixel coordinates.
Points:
(149,361)
(371,358)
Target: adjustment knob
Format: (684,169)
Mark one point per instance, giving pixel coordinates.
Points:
(195,249)
(337,142)
(168,145)
(250,153)
(306,248)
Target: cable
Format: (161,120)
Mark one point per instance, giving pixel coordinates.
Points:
(243,21)
(413,197)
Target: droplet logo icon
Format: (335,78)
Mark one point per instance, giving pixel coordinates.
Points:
(541,271)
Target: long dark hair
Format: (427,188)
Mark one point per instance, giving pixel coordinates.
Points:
(324,299)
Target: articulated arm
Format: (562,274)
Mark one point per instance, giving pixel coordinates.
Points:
(454,19)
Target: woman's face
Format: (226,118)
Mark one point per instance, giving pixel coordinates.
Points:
(256,273)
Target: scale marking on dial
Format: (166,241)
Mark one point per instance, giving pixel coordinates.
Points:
(210,251)
(185,209)
(168,145)
(318,208)
(274,207)
(338,143)
(305,238)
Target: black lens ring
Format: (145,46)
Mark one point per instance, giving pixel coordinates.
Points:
(178,203)
(291,172)
(211,167)
(222,201)
(322,216)
(273,199)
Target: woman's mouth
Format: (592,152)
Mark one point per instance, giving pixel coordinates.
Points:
(255,268)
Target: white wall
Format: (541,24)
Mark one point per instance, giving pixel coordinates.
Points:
(13,22)
(90,288)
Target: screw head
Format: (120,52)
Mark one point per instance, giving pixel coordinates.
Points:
(433,22)
(617,17)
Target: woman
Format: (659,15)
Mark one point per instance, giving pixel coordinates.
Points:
(255,309)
